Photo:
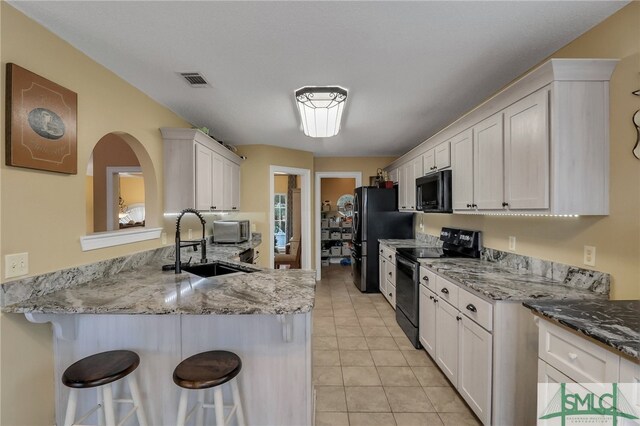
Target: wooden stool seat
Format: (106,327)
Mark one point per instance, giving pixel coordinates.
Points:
(201,372)
(100,369)
(207,369)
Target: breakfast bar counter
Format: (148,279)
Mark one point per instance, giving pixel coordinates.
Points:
(130,303)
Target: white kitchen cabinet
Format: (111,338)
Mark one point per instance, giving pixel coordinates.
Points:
(474,373)
(462,176)
(408,173)
(437,158)
(199,172)
(382,271)
(203,177)
(427,320)
(630,379)
(447,338)
(526,152)
(488,164)
(555,155)
(393,175)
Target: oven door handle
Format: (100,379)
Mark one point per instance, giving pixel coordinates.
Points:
(409,264)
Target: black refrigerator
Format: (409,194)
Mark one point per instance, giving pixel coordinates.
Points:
(375,217)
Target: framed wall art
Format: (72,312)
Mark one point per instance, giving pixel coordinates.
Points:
(40,123)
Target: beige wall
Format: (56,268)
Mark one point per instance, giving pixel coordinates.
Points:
(333,188)
(281,183)
(44,213)
(617,236)
(132,189)
(367,165)
(110,151)
(254,189)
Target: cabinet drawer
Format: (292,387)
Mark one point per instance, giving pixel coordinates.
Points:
(575,356)
(477,309)
(391,290)
(389,254)
(447,291)
(390,273)
(428,279)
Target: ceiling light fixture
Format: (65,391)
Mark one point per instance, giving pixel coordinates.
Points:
(321,110)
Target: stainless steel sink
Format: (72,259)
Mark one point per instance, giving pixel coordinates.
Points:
(214,269)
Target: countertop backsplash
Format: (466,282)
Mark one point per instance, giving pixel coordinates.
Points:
(570,276)
(40,285)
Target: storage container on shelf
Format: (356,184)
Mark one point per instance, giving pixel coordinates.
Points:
(336,235)
(346,251)
(325,235)
(336,250)
(324,223)
(346,235)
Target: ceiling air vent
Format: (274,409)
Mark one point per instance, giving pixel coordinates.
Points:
(194,79)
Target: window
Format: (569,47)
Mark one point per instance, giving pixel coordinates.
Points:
(280,223)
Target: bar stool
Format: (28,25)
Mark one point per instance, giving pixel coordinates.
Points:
(100,371)
(209,370)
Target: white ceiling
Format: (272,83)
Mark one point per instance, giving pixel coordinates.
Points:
(410,67)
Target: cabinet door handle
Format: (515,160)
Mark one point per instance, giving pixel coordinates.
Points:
(233,208)
(572,356)
(474,206)
(213,207)
(468,206)
(390,295)
(431,297)
(425,278)
(458,318)
(444,290)
(381,251)
(471,307)
(404,207)
(390,257)
(435,300)
(505,204)
(389,273)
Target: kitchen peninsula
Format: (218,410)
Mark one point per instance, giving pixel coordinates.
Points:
(130,303)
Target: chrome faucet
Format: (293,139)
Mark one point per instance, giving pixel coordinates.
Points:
(179,245)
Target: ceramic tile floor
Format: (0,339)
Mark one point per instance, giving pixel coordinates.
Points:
(365,370)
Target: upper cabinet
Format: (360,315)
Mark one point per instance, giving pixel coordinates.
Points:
(540,146)
(437,158)
(408,173)
(199,173)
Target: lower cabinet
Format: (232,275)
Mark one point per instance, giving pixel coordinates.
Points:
(474,367)
(460,346)
(447,336)
(427,321)
(387,274)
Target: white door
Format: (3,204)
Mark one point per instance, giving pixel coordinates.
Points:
(443,155)
(526,152)
(488,176)
(427,325)
(402,186)
(218,183)
(235,186)
(417,173)
(474,376)
(462,170)
(203,177)
(447,333)
(382,279)
(429,161)
(227,185)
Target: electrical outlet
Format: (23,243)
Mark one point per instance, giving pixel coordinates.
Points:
(589,256)
(190,234)
(512,243)
(16,265)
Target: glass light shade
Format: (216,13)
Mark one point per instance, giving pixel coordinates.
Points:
(321,110)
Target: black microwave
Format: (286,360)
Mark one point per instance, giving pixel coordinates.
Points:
(433,192)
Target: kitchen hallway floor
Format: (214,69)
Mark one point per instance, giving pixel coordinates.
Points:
(365,370)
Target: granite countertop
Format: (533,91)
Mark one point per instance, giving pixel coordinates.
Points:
(396,244)
(615,323)
(146,289)
(497,282)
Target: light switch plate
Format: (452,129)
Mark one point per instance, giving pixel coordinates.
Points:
(16,265)
(589,256)
(512,243)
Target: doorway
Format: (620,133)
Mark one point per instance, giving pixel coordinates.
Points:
(334,207)
(290,218)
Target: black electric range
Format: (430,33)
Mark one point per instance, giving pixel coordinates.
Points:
(456,243)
